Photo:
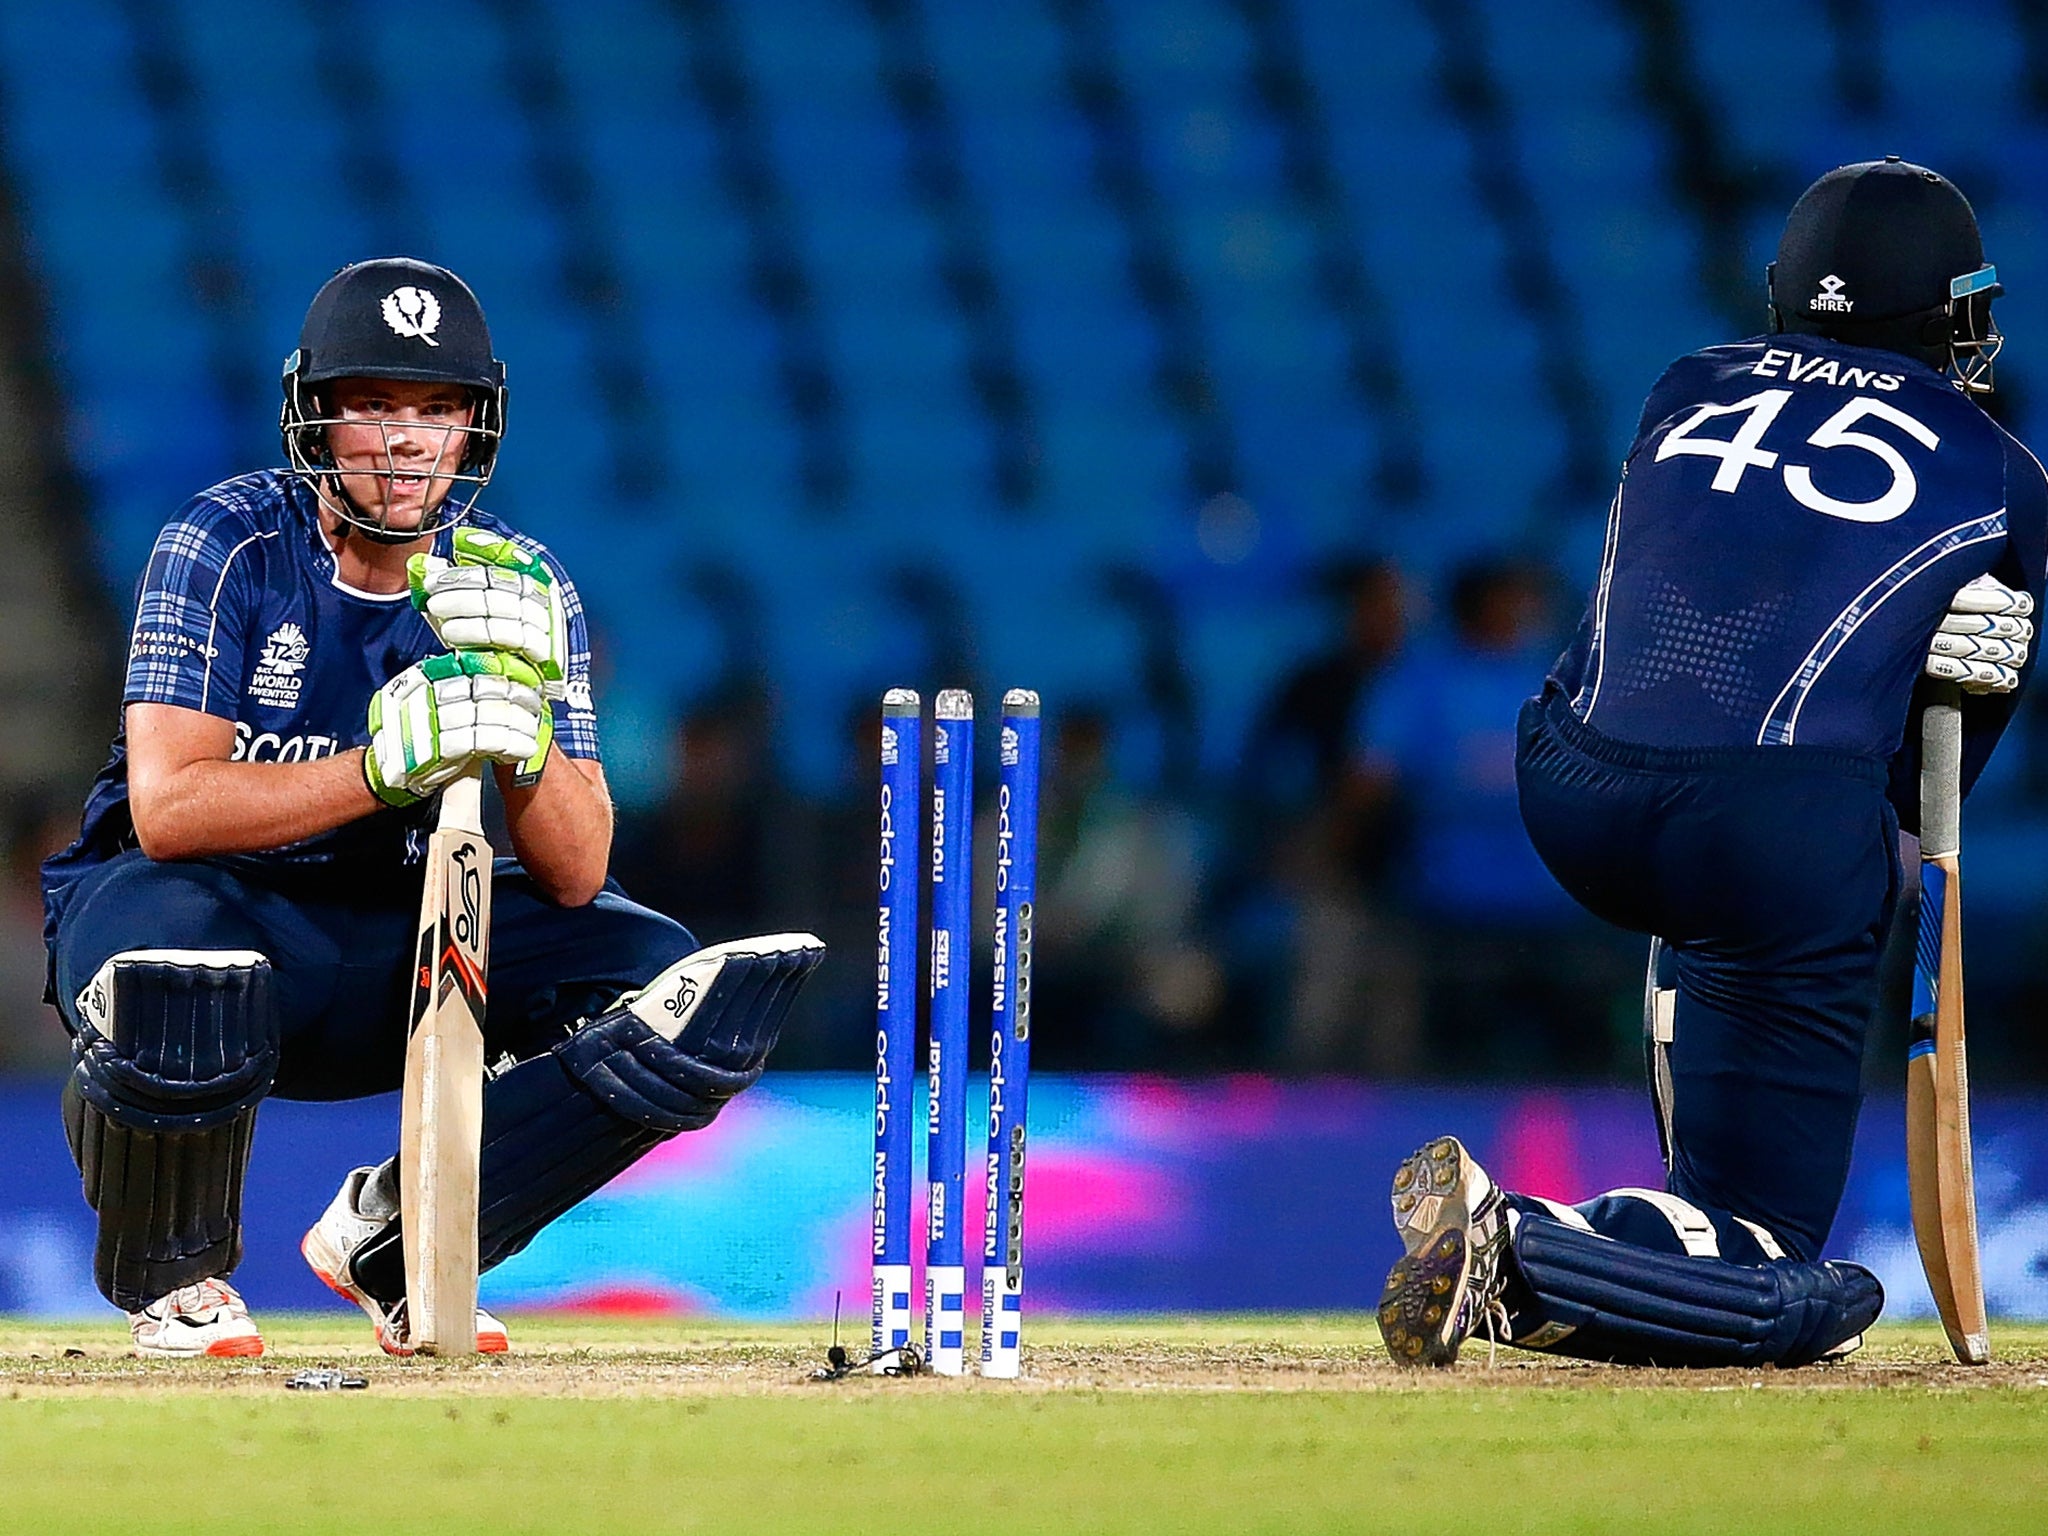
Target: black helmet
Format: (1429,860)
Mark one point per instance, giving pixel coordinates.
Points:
(393,318)
(1887,254)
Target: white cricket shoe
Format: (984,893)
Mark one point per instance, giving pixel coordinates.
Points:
(1440,1184)
(1447,1286)
(394,1334)
(203,1319)
(363,1206)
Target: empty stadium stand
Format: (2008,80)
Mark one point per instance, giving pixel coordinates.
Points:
(828,300)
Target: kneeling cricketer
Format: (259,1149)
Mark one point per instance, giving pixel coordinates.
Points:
(1820,536)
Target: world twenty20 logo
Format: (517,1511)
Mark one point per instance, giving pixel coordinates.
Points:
(279,672)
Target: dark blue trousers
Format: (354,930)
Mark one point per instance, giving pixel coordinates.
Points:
(342,967)
(1772,873)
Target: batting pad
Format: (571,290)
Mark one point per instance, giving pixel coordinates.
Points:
(174,1050)
(1581,1294)
(561,1125)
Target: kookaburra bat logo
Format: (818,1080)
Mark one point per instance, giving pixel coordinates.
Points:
(469,921)
(462,951)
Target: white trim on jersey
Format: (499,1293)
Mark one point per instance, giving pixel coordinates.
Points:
(213,607)
(1781,726)
(1589,694)
(334,580)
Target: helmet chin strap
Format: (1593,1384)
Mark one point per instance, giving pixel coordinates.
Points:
(354,519)
(391,538)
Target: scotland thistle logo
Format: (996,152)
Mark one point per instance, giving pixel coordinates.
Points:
(413,311)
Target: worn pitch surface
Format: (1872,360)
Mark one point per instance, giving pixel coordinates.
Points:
(1261,1424)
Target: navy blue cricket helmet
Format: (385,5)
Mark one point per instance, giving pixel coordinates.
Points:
(1885,253)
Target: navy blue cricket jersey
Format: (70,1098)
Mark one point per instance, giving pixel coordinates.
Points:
(241,613)
(1794,516)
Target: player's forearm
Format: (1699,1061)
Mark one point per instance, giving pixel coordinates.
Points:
(214,807)
(561,828)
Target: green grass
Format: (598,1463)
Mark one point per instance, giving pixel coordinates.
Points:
(1249,1424)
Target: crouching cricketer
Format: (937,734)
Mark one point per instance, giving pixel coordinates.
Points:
(1808,523)
(317,652)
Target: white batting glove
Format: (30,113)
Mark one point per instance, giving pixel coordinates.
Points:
(1983,641)
(493,596)
(440,715)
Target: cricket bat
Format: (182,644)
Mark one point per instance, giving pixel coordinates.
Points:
(441,1117)
(1938,1171)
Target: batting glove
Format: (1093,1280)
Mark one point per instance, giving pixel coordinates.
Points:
(1983,639)
(440,715)
(494,596)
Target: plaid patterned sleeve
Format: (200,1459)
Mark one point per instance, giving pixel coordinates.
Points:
(576,712)
(186,647)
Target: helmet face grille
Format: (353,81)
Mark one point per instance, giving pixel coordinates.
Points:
(402,320)
(1974,338)
(303,422)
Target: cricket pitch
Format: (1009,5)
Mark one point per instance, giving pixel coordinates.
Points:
(1240,1424)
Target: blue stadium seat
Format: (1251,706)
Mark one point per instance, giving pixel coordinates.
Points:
(808,52)
(1953,82)
(1111,474)
(1410,192)
(1559,57)
(916,462)
(709,347)
(1089,348)
(1005,59)
(1175,47)
(871,253)
(1775,101)
(625,55)
(1045,622)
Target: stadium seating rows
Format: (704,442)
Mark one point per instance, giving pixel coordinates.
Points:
(791,286)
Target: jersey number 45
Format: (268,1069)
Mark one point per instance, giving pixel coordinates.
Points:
(1745,451)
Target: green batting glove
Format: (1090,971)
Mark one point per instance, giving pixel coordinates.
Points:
(440,715)
(520,679)
(479,546)
(494,596)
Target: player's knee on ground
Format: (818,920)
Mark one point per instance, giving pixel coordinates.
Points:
(561,1125)
(173,1051)
(1584,1293)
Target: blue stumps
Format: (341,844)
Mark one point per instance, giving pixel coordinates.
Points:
(895,1021)
(1016,881)
(898,1343)
(952,964)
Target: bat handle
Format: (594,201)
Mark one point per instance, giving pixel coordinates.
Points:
(1941,774)
(462,802)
